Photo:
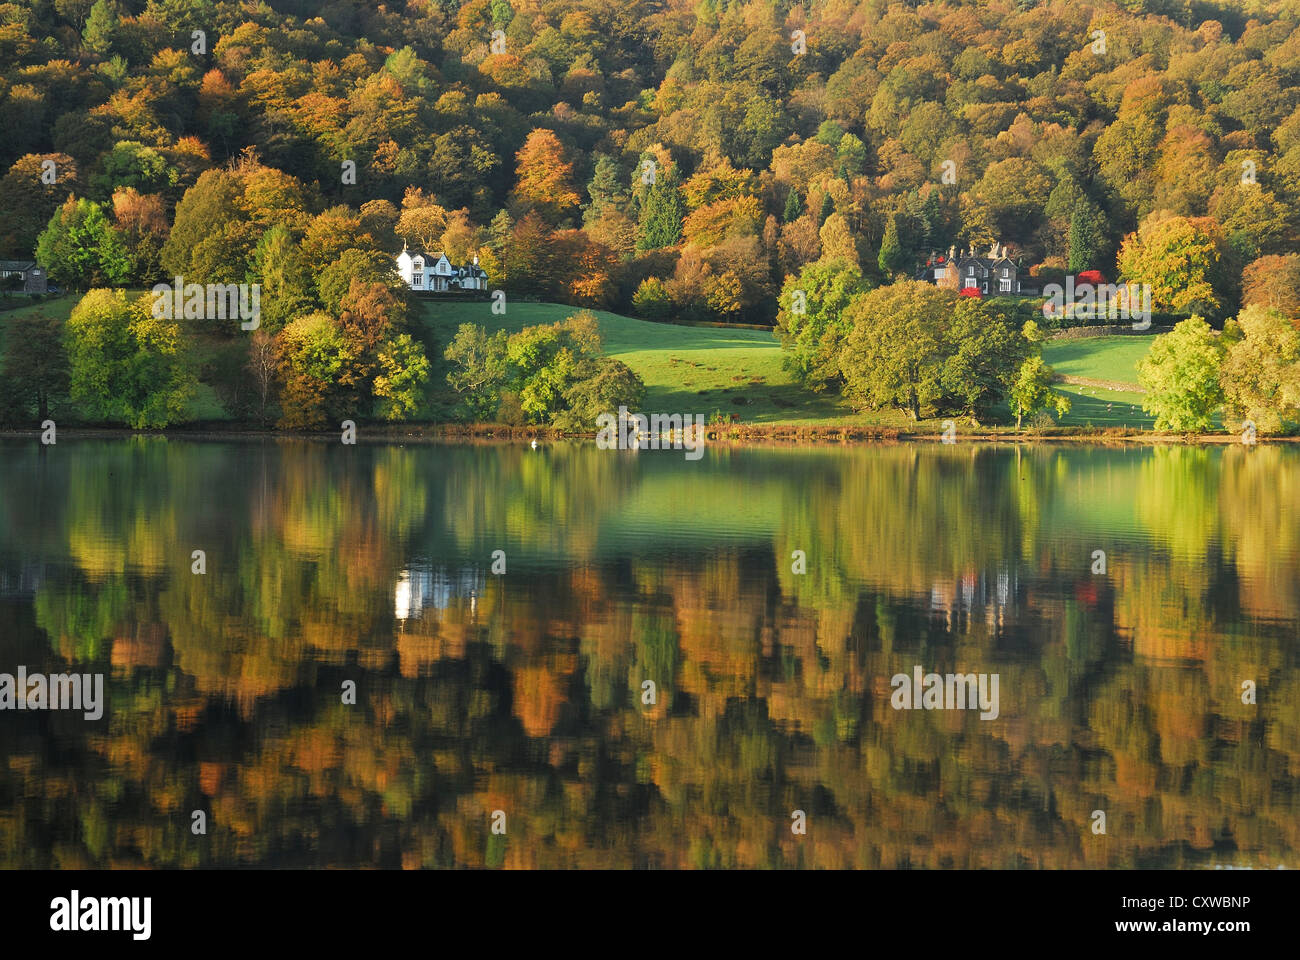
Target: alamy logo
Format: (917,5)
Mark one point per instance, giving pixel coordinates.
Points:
(212,301)
(72,914)
(658,431)
(953,691)
(59,691)
(1093,301)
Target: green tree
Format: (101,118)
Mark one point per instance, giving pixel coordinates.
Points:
(605,187)
(611,384)
(403,371)
(478,370)
(984,350)
(34,376)
(892,259)
(125,362)
(80,248)
(651,300)
(206,243)
(1032,391)
(793,206)
(1087,241)
(1260,375)
(101,26)
(536,374)
(827,208)
(894,355)
(286,281)
(1180,374)
(812,322)
(133,164)
(662,213)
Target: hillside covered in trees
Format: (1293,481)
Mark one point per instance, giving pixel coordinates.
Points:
(663,159)
(1060,140)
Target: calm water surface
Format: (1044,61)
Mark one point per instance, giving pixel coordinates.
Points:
(523,692)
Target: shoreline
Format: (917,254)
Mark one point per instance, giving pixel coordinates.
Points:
(723,434)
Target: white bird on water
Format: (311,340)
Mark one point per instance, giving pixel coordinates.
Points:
(534,444)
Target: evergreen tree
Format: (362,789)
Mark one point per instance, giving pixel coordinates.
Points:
(1087,241)
(285,277)
(605,187)
(828,207)
(662,213)
(100,27)
(793,206)
(892,258)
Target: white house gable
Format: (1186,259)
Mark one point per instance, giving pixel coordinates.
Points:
(422,270)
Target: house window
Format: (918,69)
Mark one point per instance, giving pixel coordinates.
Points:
(418,281)
(938,273)
(1004,286)
(1006,272)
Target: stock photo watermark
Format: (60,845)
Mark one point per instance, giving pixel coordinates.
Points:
(59,691)
(952,691)
(656,431)
(209,301)
(1096,301)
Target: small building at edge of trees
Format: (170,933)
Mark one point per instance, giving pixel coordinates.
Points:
(433,272)
(994,275)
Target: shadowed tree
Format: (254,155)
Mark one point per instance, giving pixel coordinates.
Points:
(34,376)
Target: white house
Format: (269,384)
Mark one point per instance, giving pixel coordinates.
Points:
(422,587)
(434,272)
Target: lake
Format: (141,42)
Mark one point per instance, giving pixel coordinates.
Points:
(488,655)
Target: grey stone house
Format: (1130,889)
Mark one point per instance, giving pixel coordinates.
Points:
(33,276)
(994,274)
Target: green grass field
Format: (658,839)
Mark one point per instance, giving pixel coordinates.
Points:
(1099,358)
(686,369)
(691,369)
(1111,364)
(735,370)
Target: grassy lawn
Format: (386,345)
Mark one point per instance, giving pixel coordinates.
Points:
(1103,407)
(1112,362)
(702,369)
(1098,358)
(686,370)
